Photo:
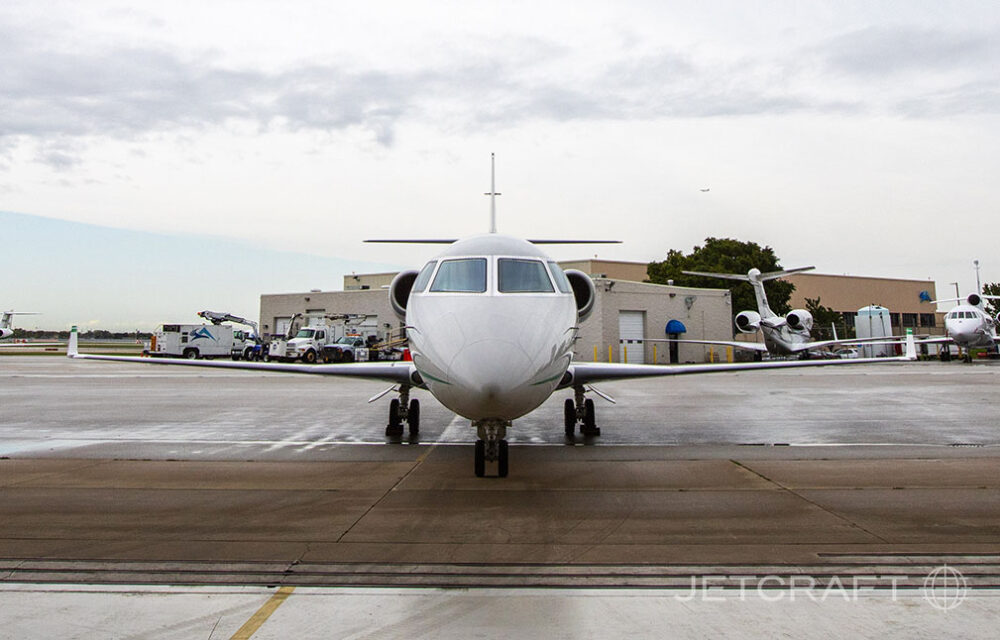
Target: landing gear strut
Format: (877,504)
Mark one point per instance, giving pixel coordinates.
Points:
(491,446)
(401,410)
(580,410)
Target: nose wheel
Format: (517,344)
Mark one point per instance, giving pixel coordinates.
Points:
(492,447)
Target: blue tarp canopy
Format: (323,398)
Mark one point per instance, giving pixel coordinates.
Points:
(676,326)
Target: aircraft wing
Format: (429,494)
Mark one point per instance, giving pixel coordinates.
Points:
(589,372)
(28,345)
(397,372)
(749,346)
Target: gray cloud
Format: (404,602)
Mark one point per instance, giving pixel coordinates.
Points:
(126,93)
(884,51)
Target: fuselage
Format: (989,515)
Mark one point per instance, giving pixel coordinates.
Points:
(491,323)
(970,326)
(780,338)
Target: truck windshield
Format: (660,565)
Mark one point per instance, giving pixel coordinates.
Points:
(346,340)
(305,333)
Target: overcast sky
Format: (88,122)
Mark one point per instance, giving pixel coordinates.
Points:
(860,137)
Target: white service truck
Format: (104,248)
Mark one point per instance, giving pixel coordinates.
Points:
(197,341)
(307,345)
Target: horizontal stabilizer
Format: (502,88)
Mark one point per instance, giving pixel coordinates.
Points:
(453,240)
(771,275)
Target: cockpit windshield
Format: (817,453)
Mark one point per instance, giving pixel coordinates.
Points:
(423,277)
(523,276)
(560,277)
(465,275)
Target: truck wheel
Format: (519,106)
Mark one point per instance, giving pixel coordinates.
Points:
(348,356)
(309,357)
(190,354)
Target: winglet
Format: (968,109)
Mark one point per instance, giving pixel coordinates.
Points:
(72,349)
(911,347)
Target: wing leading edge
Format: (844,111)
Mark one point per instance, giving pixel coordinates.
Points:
(394,372)
(589,372)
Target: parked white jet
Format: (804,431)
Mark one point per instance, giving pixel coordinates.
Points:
(968,325)
(7,321)
(783,335)
(491,323)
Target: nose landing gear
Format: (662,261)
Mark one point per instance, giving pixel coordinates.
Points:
(491,446)
(580,410)
(401,410)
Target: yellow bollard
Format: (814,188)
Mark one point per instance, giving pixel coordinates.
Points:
(595,353)
(654,353)
(609,353)
(729,355)
(624,353)
(711,355)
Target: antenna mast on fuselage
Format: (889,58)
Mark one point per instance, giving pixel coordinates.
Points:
(493,194)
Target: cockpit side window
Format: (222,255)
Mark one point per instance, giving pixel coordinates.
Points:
(523,276)
(423,277)
(561,282)
(465,275)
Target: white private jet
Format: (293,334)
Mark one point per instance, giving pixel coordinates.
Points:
(783,335)
(7,322)
(968,324)
(491,323)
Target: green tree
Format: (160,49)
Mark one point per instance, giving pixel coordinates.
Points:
(823,317)
(725,255)
(992,306)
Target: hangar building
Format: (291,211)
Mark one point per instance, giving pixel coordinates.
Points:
(629,313)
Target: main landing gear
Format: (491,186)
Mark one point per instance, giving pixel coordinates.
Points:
(401,410)
(491,446)
(580,410)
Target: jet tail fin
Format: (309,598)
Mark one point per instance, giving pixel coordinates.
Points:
(73,348)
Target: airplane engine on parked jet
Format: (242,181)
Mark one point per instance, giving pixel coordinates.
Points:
(583,291)
(748,321)
(6,332)
(399,292)
(799,319)
(974,299)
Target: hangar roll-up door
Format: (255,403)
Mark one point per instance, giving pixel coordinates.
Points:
(632,333)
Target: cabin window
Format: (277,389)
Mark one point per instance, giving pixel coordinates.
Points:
(562,283)
(423,277)
(467,275)
(523,276)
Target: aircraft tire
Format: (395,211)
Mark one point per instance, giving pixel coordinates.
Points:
(589,425)
(395,426)
(413,417)
(502,459)
(569,417)
(480,458)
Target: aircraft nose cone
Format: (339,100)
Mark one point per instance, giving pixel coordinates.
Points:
(491,375)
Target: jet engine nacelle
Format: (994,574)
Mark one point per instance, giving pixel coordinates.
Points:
(399,291)
(747,321)
(6,333)
(799,319)
(974,299)
(583,291)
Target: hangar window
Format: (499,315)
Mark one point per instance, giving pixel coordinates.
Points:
(927,320)
(423,277)
(523,276)
(561,282)
(909,319)
(467,275)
